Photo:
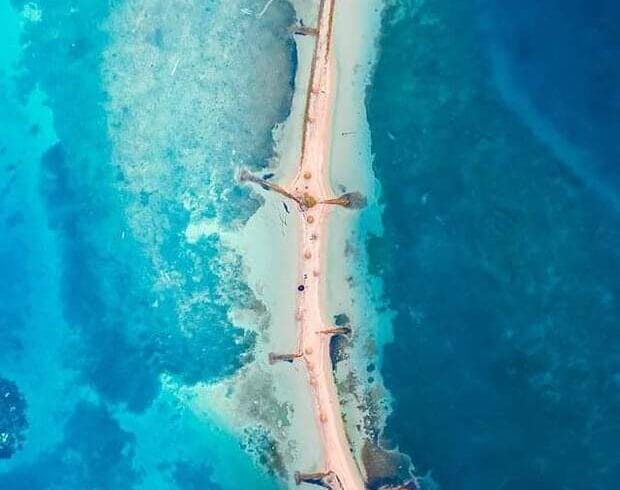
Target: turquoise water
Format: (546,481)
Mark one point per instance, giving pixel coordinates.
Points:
(108,152)
(501,252)
(494,139)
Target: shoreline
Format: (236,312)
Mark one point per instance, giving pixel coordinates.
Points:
(269,245)
(352,289)
(312,193)
(339,470)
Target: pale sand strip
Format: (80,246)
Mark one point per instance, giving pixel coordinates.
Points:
(313,179)
(269,248)
(350,288)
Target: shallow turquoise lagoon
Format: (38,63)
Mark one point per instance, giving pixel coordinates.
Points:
(106,309)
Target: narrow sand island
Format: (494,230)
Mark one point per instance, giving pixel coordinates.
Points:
(313,195)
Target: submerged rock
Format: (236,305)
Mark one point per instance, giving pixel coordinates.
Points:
(341,320)
(13,422)
(386,470)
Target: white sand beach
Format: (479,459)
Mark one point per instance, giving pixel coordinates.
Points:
(275,262)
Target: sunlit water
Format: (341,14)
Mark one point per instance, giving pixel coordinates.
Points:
(122,124)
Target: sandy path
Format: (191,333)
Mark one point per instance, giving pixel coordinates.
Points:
(309,189)
(313,179)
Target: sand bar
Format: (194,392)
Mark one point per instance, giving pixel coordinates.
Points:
(310,189)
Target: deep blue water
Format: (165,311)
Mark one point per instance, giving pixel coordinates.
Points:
(564,56)
(500,260)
